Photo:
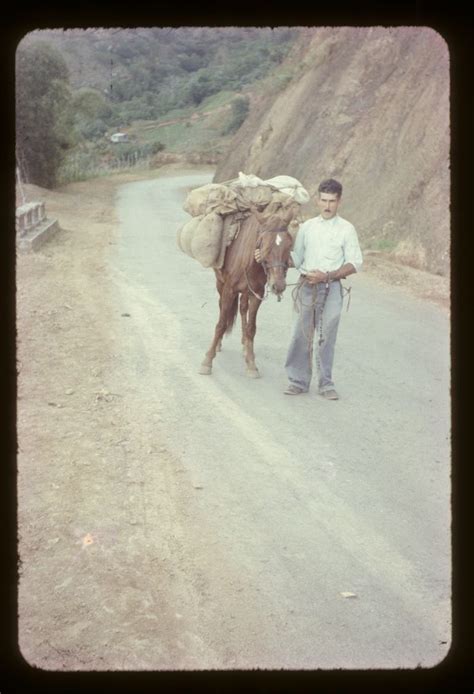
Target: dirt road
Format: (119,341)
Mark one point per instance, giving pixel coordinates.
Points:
(170,520)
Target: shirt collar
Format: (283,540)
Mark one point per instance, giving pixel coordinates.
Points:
(328,222)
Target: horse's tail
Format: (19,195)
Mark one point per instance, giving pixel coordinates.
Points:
(231,315)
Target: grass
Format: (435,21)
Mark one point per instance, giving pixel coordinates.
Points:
(384,245)
(182,138)
(216,100)
(199,136)
(186,136)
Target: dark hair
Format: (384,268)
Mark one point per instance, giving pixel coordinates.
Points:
(330,186)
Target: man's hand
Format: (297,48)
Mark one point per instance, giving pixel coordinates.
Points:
(258,255)
(316,276)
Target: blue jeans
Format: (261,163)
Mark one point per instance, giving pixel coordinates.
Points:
(312,304)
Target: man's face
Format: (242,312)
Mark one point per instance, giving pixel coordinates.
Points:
(328,204)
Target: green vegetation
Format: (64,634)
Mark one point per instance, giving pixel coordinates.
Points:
(88,160)
(384,245)
(239,112)
(185,136)
(92,113)
(220,99)
(43,113)
(76,87)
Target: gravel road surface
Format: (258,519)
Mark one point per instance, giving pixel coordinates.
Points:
(280,507)
(174,521)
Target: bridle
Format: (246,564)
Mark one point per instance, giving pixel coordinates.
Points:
(266,265)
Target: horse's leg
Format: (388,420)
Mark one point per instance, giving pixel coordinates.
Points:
(225,304)
(254,305)
(220,286)
(219,342)
(244,306)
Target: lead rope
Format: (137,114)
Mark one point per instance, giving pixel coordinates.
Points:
(298,304)
(346,292)
(261,298)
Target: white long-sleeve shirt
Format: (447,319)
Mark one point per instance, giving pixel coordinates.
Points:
(326,244)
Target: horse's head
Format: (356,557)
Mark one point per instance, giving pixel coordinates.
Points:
(275,243)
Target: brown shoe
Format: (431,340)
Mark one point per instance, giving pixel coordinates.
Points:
(329,394)
(293,390)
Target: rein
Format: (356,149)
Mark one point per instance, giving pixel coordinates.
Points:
(261,298)
(298,303)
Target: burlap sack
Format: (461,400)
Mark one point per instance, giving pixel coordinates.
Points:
(186,233)
(207,238)
(213,197)
(255,195)
(230,229)
(287,184)
(219,209)
(280,202)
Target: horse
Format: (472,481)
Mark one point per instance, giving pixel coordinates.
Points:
(241,280)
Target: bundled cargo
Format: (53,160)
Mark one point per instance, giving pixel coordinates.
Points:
(217,210)
(201,238)
(260,196)
(285,184)
(213,197)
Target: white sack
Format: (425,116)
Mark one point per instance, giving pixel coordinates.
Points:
(285,184)
(248,180)
(290,186)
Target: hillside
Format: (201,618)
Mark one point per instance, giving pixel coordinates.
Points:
(368,106)
(184,90)
(147,72)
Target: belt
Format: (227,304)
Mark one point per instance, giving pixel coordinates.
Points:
(303,279)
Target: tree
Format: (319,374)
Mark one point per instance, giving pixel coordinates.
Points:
(92,113)
(91,104)
(199,88)
(43,116)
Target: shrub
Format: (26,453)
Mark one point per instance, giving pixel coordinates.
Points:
(239,112)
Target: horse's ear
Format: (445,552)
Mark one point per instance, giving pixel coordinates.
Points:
(272,222)
(293,228)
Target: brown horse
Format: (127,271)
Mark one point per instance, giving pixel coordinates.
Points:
(241,276)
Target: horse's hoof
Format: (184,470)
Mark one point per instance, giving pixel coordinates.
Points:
(253,373)
(205,370)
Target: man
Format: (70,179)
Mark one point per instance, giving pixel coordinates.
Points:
(326,250)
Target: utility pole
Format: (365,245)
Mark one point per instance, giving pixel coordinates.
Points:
(19,186)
